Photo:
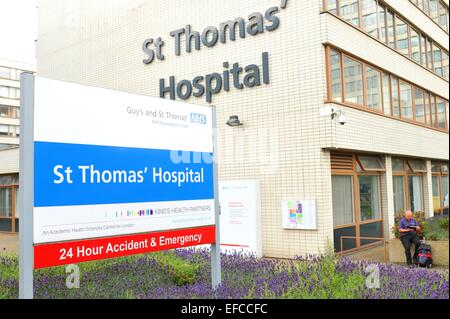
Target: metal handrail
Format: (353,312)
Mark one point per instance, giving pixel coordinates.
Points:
(366,238)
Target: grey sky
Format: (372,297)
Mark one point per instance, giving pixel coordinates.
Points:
(18,30)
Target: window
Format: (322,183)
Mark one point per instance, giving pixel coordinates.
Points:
(419,106)
(445,65)
(399,193)
(5,202)
(415,193)
(353,78)
(369,163)
(357,199)
(423,50)
(391,29)
(9,92)
(428,109)
(406,101)
(401,31)
(408,184)
(4,72)
(363,85)
(433,112)
(331,6)
(434,14)
(4,130)
(343,210)
(382,21)
(395,98)
(369,17)
(436,10)
(417,166)
(4,91)
(441,113)
(336,81)
(437,60)
(415,46)
(443,16)
(426,7)
(373,87)
(7,111)
(436,194)
(349,11)
(387,94)
(430,55)
(369,197)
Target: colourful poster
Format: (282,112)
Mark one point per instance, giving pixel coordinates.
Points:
(299,214)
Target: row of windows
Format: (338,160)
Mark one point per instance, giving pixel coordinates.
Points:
(7,111)
(9,92)
(407,179)
(9,213)
(440,187)
(388,27)
(436,10)
(9,130)
(10,73)
(357,83)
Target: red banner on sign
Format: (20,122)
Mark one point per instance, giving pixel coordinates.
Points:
(57,254)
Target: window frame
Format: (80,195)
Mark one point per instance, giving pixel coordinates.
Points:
(388,10)
(356,197)
(433,97)
(440,175)
(13,188)
(406,174)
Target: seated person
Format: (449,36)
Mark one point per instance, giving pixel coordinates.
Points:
(408,235)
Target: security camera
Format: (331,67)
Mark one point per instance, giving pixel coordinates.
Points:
(342,118)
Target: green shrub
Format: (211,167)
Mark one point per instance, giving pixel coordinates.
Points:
(180,271)
(436,228)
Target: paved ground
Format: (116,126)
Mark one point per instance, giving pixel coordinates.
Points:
(9,243)
(376,254)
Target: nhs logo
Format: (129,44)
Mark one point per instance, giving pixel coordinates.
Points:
(198,118)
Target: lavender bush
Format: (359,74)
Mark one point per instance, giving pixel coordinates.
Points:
(186,274)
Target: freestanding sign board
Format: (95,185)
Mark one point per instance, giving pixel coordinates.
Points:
(240,216)
(108,174)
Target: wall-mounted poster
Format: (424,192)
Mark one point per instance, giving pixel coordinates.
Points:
(299,214)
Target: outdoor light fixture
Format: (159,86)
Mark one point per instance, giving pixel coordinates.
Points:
(234,121)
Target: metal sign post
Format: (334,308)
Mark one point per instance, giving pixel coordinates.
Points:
(215,248)
(49,142)
(26,186)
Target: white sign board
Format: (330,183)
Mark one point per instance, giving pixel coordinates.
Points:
(109,164)
(240,219)
(299,214)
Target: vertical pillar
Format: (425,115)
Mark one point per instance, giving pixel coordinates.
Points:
(428,191)
(388,199)
(216,267)
(26,186)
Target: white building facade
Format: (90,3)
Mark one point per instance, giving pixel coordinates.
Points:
(383,64)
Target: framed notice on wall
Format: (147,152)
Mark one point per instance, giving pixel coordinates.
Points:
(299,214)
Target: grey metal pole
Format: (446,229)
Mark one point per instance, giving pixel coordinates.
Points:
(216,267)
(26,186)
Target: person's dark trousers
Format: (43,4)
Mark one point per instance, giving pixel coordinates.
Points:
(407,240)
